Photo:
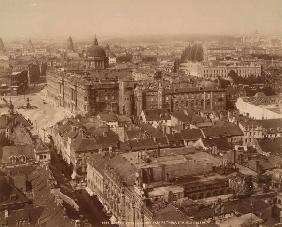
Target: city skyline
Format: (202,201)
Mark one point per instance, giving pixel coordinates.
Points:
(129,18)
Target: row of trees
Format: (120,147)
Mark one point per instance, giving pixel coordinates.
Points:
(267,56)
(246,80)
(194,53)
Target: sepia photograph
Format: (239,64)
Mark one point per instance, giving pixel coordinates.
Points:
(140,113)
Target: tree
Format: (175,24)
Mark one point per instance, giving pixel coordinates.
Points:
(223,83)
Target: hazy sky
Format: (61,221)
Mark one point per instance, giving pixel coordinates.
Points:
(83,18)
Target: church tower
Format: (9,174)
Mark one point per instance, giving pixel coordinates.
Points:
(2,47)
(30,46)
(70,45)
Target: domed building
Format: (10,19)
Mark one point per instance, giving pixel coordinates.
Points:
(96,57)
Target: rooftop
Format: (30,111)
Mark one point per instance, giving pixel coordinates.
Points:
(264,100)
(224,131)
(191,134)
(157,115)
(17,151)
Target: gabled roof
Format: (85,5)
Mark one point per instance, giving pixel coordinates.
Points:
(53,213)
(30,214)
(151,131)
(124,119)
(272,145)
(39,146)
(85,144)
(108,117)
(172,214)
(143,144)
(162,142)
(124,169)
(225,131)
(99,162)
(135,133)
(9,193)
(20,135)
(181,116)
(21,170)
(4,121)
(270,123)
(221,143)
(18,150)
(191,134)
(157,115)
(176,137)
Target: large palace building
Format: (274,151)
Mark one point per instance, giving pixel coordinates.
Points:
(133,99)
(91,89)
(85,92)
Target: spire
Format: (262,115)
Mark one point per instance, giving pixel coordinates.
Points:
(30,45)
(70,45)
(108,46)
(2,47)
(95,42)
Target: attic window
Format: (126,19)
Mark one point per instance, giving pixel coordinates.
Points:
(13,197)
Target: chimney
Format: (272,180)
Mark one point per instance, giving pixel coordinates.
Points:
(105,134)
(158,151)
(234,156)
(74,128)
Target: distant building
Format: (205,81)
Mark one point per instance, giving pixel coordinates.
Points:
(2,46)
(30,46)
(112,59)
(70,45)
(215,69)
(243,69)
(260,107)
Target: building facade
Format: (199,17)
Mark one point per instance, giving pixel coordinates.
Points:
(212,70)
(223,70)
(91,93)
(190,99)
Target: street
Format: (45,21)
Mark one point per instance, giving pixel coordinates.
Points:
(89,206)
(42,115)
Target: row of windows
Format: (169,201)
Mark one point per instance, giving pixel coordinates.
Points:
(197,96)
